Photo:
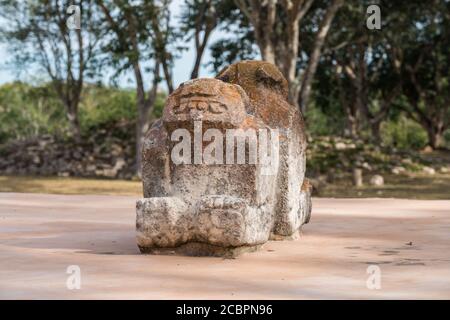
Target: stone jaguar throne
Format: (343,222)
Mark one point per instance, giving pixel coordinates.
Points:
(222,208)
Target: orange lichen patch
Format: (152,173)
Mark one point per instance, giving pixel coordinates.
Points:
(275,112)
(252,74)
(267,90)
(307,186)
(250,122)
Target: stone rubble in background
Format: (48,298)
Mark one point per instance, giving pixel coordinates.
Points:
(428,170)
(110,153)
(332,159)
(377,180)
(104,154)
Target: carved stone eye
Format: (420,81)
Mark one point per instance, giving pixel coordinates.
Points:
(272,78)
(227,74)
(181,108)
(202,106)
(263,73)
(224,78)
(217,108)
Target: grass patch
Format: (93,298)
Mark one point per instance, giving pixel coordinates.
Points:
(62,185)
(412,186)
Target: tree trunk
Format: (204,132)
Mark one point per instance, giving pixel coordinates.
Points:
(196,68)
(142,116)
(434,137)
(144,108)
(352,119)
(267,53)
(200,49)
(308,76)
(351,110)
(74,124)
(375,127)
(142,125)
(167,76)
(352,127)
(206,21)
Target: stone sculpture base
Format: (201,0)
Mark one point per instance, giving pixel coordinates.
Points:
(279,237)
(201,250)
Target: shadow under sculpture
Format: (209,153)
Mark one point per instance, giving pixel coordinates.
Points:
(221,207)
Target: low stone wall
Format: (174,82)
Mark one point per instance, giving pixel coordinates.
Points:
(100,155)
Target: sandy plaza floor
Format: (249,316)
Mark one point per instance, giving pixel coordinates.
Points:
(406,241)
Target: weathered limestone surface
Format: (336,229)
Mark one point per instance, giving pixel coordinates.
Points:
(224,209)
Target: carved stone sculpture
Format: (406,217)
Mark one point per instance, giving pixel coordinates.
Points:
(223,169)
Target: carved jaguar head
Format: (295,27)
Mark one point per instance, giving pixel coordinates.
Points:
(266,88)
(254,75)
(208,100)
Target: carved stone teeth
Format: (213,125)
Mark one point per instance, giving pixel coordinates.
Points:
(181,108)
(202,105)
(216,107)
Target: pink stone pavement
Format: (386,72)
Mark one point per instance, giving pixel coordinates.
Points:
(41,235)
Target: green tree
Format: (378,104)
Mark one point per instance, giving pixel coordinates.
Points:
(276,26)
(239,44)
(426,69)
(364,65)
(198,19)
(37,35)
(141,35)
(28,111)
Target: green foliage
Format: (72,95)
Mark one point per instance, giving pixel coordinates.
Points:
(110,105)
(38,34)
(447,138)
(319,124)
(104,105)
(239,44)
(27,111)
(404,134)
(159,104)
